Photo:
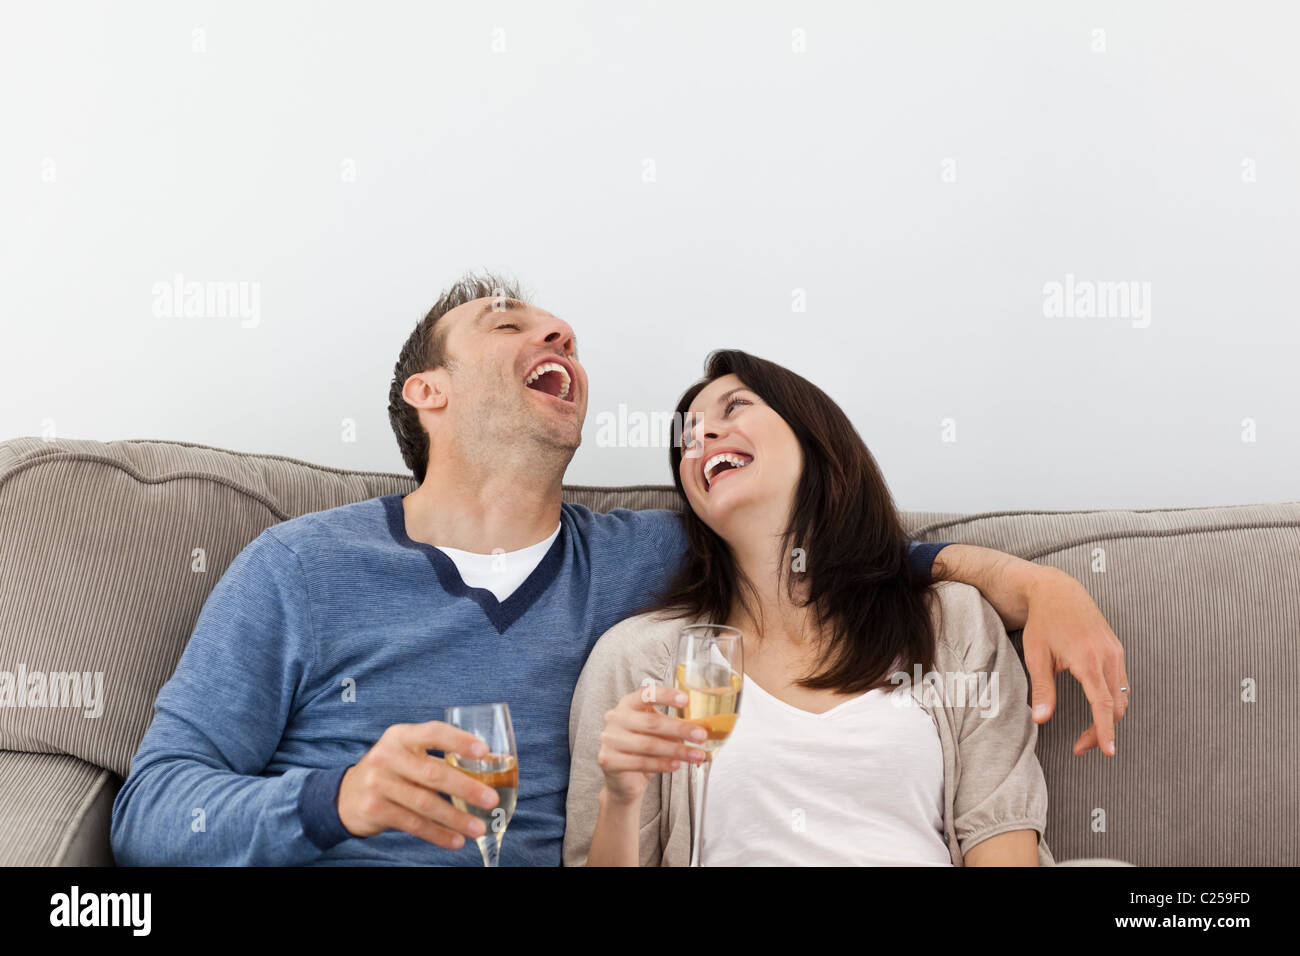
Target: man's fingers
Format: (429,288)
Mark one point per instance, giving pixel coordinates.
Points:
(430,806)
(1121,696)
(1115,679)
(395,816)
(423,770)
(1042,681)
(1087,740)
(1103,704)
(439,735)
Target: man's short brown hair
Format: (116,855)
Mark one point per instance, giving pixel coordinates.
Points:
(425,349)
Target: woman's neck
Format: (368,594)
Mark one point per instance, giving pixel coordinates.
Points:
(764,606)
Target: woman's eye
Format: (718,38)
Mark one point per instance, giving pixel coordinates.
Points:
(734,402)
(509,325)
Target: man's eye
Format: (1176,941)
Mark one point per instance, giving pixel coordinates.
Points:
(509,325)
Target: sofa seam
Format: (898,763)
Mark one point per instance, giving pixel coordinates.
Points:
(980,516)
(1158,533)
(145,479)
(66,455)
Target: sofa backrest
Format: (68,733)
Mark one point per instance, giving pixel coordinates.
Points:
(108,551)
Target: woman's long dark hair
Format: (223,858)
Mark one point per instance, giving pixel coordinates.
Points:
(871,610)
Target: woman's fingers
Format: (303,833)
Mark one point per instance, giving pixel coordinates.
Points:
(636,713)
(639,738)
(616,762)
(645,745)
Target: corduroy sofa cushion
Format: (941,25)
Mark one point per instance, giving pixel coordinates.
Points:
(108,551)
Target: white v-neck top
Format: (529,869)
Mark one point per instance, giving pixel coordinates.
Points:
(859,785)
(503,572)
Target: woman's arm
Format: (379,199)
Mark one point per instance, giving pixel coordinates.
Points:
(637,744)
(999,804)
(618,744)
(614,842)
(1014,848)
(1063,630)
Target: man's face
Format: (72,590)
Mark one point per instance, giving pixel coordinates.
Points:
(513,377)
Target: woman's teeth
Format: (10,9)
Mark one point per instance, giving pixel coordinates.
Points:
(726,458)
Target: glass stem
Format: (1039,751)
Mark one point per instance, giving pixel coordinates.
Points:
(490,846)
(700,777)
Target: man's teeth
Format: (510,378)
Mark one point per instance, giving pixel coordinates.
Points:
(545,367)
(736,461)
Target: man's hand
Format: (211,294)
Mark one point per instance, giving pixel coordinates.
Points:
(1065,630)
(397,785)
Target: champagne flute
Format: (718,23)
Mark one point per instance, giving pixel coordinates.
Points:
(710,671)
(498,769)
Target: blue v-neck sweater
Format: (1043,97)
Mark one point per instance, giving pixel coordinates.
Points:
(331,627)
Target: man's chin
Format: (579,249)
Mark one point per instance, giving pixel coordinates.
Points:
(556,437)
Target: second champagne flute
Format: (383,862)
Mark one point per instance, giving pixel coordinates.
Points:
(710,669)
(498,769)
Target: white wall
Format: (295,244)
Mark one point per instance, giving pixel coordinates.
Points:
(130,157)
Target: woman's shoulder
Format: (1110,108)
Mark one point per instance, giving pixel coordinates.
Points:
(637,643)
(965,621)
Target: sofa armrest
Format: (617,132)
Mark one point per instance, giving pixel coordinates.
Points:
(55,810)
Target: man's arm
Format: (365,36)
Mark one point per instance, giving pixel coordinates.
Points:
(195,793)
(1063,630)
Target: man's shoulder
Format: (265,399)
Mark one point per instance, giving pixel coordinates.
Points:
(326,530)
(652,525)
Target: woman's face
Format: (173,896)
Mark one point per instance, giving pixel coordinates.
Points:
(743,462)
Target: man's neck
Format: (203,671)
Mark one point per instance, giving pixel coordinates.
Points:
(481,509)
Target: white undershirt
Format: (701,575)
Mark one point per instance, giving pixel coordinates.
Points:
(503,572)
(860,785)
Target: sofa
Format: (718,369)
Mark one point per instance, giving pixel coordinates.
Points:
(108,551)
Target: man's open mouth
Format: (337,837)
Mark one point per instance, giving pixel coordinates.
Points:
(551,378)
(722,463)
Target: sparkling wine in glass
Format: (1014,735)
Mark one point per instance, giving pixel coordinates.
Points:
(498,769)
(710,671)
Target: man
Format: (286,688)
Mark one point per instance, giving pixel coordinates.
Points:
(298,724)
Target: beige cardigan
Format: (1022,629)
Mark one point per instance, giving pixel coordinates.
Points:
(992,780)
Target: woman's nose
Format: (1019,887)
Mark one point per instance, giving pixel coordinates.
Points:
(705,430)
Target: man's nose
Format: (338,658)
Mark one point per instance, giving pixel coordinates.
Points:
(556,333)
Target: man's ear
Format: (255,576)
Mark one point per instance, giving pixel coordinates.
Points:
(427,390)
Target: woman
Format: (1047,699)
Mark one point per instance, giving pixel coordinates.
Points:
(840,756)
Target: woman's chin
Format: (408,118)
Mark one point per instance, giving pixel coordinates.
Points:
(721,507)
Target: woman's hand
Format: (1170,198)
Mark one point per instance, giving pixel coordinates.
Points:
(639,742)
